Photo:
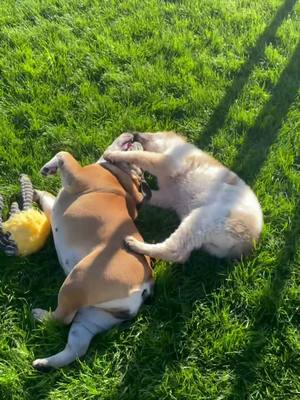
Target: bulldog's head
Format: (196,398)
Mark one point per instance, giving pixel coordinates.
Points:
(127,142)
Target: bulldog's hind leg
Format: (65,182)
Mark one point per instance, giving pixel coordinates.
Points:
(64,313)
(72,295)
(88,322)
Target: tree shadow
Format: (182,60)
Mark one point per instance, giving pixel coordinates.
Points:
(256,146)
(251,157)
(219,115)
(176,292)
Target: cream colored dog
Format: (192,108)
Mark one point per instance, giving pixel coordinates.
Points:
(105,283)
(219,212)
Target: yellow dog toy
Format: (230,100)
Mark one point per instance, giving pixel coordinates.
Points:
(26,231)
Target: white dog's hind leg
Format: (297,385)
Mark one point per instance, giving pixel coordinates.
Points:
(88,322)
(177,247)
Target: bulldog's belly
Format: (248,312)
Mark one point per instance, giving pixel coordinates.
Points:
(82,223)
(68,251)
(68,256)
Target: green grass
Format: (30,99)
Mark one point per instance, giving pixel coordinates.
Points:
(73,75)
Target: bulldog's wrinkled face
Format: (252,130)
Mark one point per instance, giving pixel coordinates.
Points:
(158,142)
(125,142)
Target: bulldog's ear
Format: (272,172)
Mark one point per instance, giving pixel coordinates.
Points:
(146,192)
(137,196)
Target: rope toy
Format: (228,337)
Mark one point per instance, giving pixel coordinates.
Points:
(26,230)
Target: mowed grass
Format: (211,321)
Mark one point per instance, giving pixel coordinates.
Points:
(73,76)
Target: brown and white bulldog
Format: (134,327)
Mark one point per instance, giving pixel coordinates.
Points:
(90,217)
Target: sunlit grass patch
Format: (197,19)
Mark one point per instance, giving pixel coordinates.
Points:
(73,76)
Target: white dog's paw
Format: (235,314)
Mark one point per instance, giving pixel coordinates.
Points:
(39,314)
(42,364)
(133,244)
(112,156)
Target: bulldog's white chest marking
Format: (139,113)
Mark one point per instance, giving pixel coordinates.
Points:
(132,303)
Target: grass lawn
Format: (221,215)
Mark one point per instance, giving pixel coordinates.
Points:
(226,73)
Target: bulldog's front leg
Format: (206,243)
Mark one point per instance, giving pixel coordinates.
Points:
(46,200)
(68,167)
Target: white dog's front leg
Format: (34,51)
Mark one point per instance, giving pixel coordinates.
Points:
(146,160)
(163,251)
(41,315)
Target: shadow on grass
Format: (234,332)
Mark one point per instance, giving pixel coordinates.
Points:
(248,163)
(218,118)
(258,140)
(173,311)
(266,314)
(177,290)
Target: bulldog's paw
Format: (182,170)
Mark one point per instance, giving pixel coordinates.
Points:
(42,365)
(131,243)
(49,169)
(37,194)
(39,314)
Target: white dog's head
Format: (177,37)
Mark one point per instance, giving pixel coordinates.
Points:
(159,142)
